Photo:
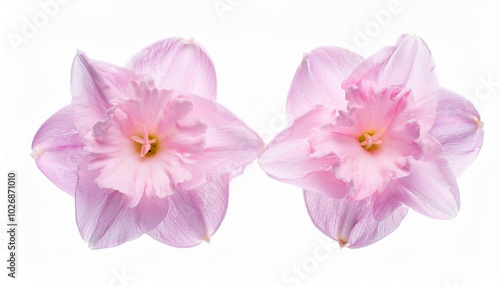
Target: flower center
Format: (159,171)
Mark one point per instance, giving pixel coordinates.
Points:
(146,145)
(370,141)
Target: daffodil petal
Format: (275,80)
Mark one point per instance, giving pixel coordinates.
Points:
(58,149)
(179,64)
(194,215)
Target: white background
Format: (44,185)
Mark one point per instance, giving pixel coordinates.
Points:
(256,47)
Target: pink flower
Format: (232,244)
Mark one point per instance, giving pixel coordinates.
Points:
(145,148)
(370,138)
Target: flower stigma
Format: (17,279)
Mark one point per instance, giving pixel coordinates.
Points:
(370,141)
(146,145)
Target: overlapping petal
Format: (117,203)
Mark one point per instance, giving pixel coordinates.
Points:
(430,188)
(318,80)
(409,63)
(288,157)
(104,218)
(459,129)
(350,223)
(57,150)
(93,86)
(194,215)
(177,64)
(229,144)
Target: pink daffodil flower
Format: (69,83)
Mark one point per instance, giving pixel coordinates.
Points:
(145,148)
(369,138)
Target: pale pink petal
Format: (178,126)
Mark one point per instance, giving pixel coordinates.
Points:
(386,202)
(408,64)
(458,128)
(194,215)
(58,149)
(105,220)
(350,223)
(177,64)
(159,109)
(372,68)
(318,80)
(322,181)
(93,85)
(229,144)
(430,189)
(288,157)
(117,79)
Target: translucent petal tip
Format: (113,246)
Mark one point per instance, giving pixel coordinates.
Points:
(206,238)
(36,152)
(342,243)
(190,41)
(479,123)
